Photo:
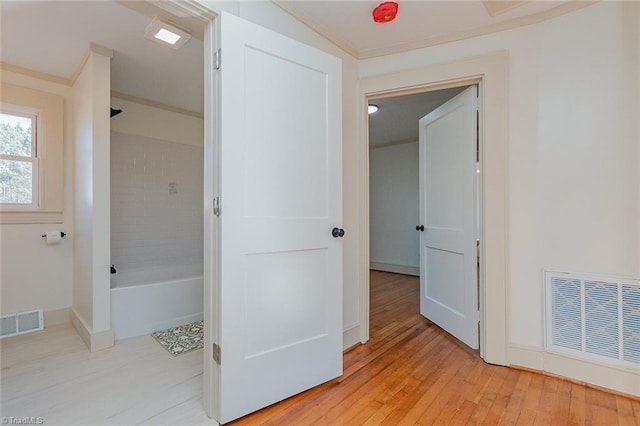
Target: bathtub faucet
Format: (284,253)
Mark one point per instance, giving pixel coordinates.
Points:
(113,269)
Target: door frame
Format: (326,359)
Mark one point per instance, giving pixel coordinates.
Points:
(211,241)
(490,72)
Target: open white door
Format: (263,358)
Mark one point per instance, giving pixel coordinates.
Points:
(448,213)
(278,300)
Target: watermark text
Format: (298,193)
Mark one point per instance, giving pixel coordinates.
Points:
(27,420)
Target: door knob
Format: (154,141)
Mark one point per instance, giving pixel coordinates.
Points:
(337,232)
(420,228)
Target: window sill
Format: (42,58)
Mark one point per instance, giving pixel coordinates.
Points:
(27,217)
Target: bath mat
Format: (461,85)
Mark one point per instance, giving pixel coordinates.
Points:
(181,339)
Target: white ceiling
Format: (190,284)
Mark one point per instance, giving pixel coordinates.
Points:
(397,119)
(53,36)
(419,23)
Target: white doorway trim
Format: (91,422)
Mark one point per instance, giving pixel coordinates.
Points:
(491,73)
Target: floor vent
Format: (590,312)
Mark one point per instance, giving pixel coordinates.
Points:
(593,317)
(24,322)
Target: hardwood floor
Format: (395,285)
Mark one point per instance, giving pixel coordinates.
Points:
(411,372)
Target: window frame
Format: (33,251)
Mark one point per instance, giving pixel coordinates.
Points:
(34,159)
(50,135)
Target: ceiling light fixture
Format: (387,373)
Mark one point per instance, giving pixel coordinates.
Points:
(166,34)
(372,108)
(385,12)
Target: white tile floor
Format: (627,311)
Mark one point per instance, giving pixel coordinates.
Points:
(51,374)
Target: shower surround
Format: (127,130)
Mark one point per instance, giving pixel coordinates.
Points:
(156,234)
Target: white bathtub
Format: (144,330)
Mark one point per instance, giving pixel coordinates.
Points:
(144,301)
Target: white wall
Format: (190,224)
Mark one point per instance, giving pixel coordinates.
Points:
(91,287)
(573,147)
(32,274)
(150,147)
(394,208)
(157,123)
(271,16)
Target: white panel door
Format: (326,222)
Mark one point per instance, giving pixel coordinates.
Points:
(448,212)
(280,290)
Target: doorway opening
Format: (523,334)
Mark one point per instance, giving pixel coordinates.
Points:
(397,192)
(489,72)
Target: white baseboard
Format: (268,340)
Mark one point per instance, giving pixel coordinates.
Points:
(148,328)
(617,378)
(95,341)
(396,269)
(351,337)
(526,356)
(57,317)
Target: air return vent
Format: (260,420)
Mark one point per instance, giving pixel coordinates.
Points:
(24,322)
(593,317)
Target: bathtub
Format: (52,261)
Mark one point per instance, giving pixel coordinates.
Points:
(148,300)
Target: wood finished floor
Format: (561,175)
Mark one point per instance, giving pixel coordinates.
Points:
(410,372)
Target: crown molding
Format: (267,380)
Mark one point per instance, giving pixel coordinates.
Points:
(496,7)
(155,104)
(509,24)
(393,143)
(93,48)
(35,74)
(317,27)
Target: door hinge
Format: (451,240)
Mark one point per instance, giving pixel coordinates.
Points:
(216,206)
(216,353)
(217,59)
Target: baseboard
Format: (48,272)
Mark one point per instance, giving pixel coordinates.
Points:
(396,269)
(351,337)
(616,378)
(526,356)
(102,340)
(121,334)
(95,341)
(57,317)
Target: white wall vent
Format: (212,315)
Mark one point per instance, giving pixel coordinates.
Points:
(593,316)
(24,322)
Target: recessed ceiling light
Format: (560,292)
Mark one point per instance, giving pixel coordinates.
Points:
(372,108)
(166,34)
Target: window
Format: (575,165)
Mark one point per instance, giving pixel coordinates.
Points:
(18,158)
(31,155)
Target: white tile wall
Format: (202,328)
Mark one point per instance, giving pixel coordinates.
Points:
(156,202)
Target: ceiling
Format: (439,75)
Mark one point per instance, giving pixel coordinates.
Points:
(349,24)
(139,68)
(396,121)
(52,36)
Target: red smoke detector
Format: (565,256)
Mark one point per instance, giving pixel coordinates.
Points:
(385,12)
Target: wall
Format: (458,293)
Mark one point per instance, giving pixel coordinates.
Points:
(32,274)
(394,207)
(91,301)
(269,15)
(573,152)
(157,122)
(151,223)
